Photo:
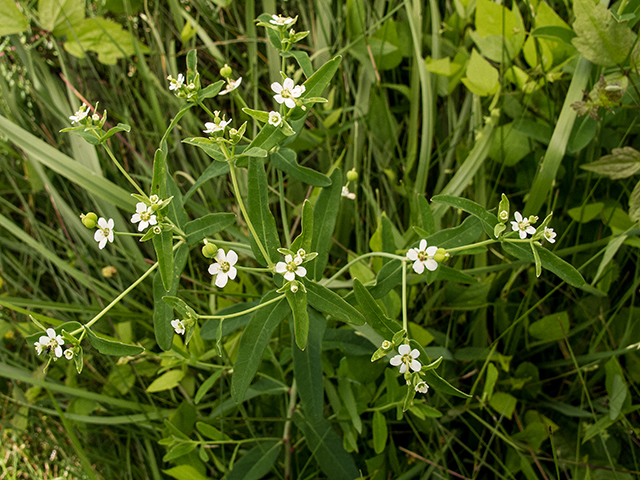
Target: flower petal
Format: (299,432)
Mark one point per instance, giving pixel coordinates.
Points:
(58,351)
(214,268)
(290,102)
(141,207)
(416,366)
(232,273)
(415,353)
(221,280)
(51,332)
(232,257)
(518,217)
(288,84)
(102,244)
(431,264)
(102,223)
(276,87)
(301,271)
(220,256)
(423,244)
(395,361)
(281,267)
(403,368)
(110,224)
(431,251)
(289,276)
(404,349)
(412,254)
(418,267)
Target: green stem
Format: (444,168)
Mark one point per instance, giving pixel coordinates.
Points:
(465,247)
(236,191)
(253,269)
(405,321)
(244,312)
(359,259)
(209,112)
(104,311)
(176,228)
(129,234)
(122,170)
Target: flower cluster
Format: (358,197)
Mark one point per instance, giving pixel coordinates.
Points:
(523,225)
(218,124)
(182,89)
(231,84)
(292,270)
(144,216)
(224,268)
(426,257)
(51,344)
(406,359)
(287,92)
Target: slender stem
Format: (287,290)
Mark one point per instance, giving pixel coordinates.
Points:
(104,311)
(176,228)
(286,437)
(209,112)
(122,170)
(236,192)
(253,269)
(405,322)
(244,312)
(361,258)
(465,247)
(129,234)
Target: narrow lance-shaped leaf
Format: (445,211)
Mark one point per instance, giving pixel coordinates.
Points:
(259,213)
(298,303)
(325,213)
(305,238)
(323,299)
(207,225)
(285,160)
(112,347)
(163,312)
(163,243)
(373,313)
(159,180)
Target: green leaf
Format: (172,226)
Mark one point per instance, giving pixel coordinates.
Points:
(163,312)
(550,328)
(166,381)
(307,368)
(442,386)
(211,90)
(12,20)
(298,303)
(622,163)
(179,450)
(58,16)
(192,64)
(554,33)
(215,169)
(206,386)
(254,152)
(285,160)
(349,402)
(112,347)
(618,395)
(180,306)
(303,60)
(210,148)
(327,301)
(108,39)
(389,276)
(380,432)
(159,180)
(268,137)
(253,342)
(490,381)
(503,403)
(549,261)
(210,431)
(536,259)
(482,78)
(317,83)
(585,213)
(121,127)
(66,166)
(306,236)
(325,213)
(259,213)
(174,121)
(600,38)
(163,243)
(384,326)
(465,234)
(259,115)
(207,225)
(185,472)
(257,462)
(489,220)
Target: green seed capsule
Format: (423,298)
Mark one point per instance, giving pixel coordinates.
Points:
(89,220)
(226,71)
(352,175)
(440,255)
(209,250)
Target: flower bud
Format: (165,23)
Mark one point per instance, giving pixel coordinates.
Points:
(89,220)
(440,255)
(352,175)
(209,250)
(226,71)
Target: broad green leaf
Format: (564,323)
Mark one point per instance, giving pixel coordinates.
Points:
(465,234)
(58,16)
(112,347)
(600,38)
(499,32)
(66,166)
(509,145)
(618,395)
(329,302)
(254,152)
(285,160)
(317,83)
(163,312)
(185,472)
(257,462)
(621,163)
(586,213)
(325,213)
(441,385)
(303,60)
(426,215)
(552,327)
(215,169)
(108,39)
(549,260)
(121,127)
(538,54)
(210,431)
(389,276)
(12,20)
(307,368)
(268,137)
(211,91)
(481,78)
(206,386)
(159,180)
(503,403)
(207,225)
(306,236)
(380,432)
(253,342)
(179,306)
(349,402)
(166,381)
(259,115)
(259,213)
(563,34)
(209,147)
(327,448)
(163,244)
(298,303)
(192,64)
(489,220)
(179,450)
(373,313)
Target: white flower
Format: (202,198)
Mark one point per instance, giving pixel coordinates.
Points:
(144,215)
(154,199)
(423,257)
(95,117)
(231,86)
(386,345)
(281,21)
(406,358)
(294,287)
(81,114)
(503,215)
(38,346)
(287,92)
(104,232)
(422,387)
(51,342)
(224,268)
(68,354)
(216,127)
(175,84)
(291,267)
(178,326)
(550,235)
(522,226)
(346,193)
(275,119)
